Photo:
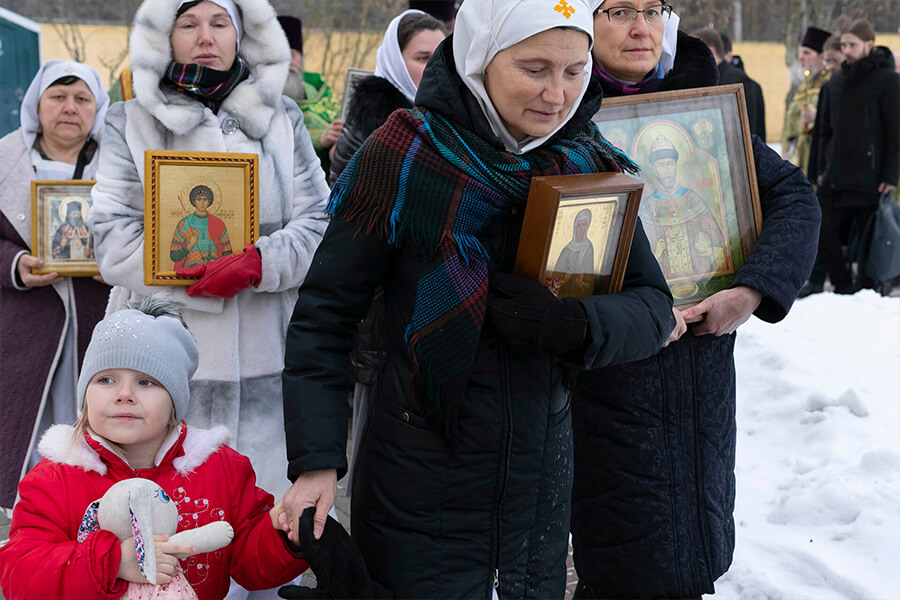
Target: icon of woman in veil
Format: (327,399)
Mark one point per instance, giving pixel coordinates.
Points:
(576,260)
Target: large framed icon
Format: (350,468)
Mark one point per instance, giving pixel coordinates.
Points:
(59,227)
(577,231)
(199,206)
(700,206)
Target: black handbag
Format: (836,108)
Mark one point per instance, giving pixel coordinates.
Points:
(880,242)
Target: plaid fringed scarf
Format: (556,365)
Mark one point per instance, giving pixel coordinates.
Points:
(419,179)
(208,85)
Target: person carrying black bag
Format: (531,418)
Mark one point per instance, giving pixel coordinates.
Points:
(880,246)
(859,145)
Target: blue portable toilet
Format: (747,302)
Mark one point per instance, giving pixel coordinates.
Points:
(20,58)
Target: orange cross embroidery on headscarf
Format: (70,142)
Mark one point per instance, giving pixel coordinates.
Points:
(564,8)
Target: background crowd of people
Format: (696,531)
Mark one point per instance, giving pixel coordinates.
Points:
(491,418)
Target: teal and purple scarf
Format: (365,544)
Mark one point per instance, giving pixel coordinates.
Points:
(423,180)
(626,87)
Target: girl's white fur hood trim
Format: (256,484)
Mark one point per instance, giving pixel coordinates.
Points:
(253,102)
(199,445)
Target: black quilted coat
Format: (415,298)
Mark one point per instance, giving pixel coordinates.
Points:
(431,521)
(655,440)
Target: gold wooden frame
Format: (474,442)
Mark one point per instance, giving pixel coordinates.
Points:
(167,175)
(554,202)
(47,199)
(710,128)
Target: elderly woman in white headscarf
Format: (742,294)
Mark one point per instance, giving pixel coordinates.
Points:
(409,41)
(45,320)
(208,76)
(461,487)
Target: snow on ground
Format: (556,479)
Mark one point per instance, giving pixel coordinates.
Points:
(818,456)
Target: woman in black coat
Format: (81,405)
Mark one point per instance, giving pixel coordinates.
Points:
(655,438)
(463,483)
(409,42)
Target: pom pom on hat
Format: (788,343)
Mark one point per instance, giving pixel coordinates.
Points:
(150,338)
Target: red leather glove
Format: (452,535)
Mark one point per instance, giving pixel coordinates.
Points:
(226,276)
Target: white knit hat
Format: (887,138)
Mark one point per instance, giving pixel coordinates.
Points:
(150,339)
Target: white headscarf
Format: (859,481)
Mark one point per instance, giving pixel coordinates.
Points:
(669,41)
(485,27)
(230,8)
(389,62)
(49,72)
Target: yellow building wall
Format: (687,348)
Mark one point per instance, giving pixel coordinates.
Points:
(102,44)
(764,62)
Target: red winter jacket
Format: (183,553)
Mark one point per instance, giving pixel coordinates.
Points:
(209,482)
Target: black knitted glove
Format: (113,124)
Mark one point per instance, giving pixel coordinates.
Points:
(525,313)
(334,558)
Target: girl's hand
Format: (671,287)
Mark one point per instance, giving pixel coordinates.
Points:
(167,566)
(279,518)
(167,553)
(129,570)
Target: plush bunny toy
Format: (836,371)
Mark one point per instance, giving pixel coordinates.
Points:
(139,509)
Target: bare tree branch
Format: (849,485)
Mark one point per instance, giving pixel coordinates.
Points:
(73,40)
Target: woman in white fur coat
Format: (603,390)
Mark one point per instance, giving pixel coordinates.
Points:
(208,76)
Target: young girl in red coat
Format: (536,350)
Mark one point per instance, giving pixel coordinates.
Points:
(134,391)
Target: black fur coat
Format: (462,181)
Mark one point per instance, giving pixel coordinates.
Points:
(372,102)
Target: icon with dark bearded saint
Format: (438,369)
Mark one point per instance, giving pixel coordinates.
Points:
(72,240)
(60,235)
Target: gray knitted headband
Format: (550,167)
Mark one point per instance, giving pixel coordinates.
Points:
(150,338)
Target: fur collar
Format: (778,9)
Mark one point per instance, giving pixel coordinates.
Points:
(374,99)
(694,65)
(253,102)
(198,445)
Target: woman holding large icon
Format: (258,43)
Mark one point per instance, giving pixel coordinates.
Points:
(653,493)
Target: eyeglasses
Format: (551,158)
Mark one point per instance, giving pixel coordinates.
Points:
(624,16)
